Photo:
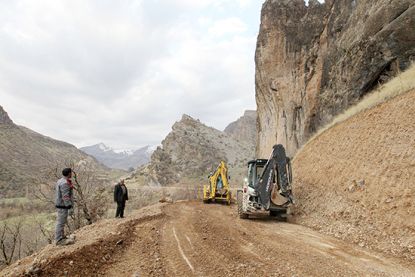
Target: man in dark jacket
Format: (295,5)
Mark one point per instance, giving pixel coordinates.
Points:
(120,196)
(64,206)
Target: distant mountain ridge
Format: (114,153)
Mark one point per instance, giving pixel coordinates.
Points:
(244,128)
(26,157)
(124,159)
(191,150)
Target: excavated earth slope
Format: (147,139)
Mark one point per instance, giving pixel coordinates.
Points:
(195,239)
(356,180)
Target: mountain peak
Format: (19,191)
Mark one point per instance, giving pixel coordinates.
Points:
(119,158)
(4,117)
(244,128)
(186,117)
(250,113)
(103,147)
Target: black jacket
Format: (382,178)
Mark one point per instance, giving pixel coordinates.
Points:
(119,196)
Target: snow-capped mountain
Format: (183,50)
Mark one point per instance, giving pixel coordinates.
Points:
(121,159)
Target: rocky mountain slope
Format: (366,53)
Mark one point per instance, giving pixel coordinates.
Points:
(314,61)
(119,159)
(26,157)
(244,128)
(192,150)
(356,180)
(4,118)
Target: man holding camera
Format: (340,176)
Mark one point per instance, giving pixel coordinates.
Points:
(64,206)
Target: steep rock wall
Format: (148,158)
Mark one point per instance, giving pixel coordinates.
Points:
(314,61)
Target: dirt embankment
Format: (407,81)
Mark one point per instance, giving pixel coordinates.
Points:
(96,245)
(356,180)
(195,239)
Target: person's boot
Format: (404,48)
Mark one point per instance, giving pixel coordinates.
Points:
(65,241)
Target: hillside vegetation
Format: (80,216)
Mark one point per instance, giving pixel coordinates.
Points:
(28,159)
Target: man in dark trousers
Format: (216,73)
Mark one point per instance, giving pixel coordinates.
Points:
(64,206)
(120,196)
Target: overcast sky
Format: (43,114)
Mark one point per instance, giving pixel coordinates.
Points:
(122,72)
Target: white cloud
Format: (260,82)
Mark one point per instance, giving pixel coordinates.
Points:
(123,72)
(231,25)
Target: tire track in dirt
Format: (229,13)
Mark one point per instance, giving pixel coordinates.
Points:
(195,239)
(181,250)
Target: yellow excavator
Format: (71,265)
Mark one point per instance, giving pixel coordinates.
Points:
(218,188)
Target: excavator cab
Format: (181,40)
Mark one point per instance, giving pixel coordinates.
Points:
(255,169)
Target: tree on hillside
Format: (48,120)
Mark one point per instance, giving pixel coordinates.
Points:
(10,242)
(90,196)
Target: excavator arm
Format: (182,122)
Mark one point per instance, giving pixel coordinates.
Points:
(277,172)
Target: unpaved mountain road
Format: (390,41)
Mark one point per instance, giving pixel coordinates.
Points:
(195,239)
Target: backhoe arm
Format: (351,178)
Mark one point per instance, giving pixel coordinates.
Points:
(277,170)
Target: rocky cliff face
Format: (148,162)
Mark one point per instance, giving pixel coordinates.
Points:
(314,61)
(244,128)
(192,150)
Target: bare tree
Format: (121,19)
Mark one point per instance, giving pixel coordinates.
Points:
(10,242)
(22,238)
(46,233)
(90,196)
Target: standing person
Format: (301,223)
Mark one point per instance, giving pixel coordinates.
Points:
(120,196)
(64,205)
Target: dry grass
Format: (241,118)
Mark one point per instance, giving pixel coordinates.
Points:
(402,83)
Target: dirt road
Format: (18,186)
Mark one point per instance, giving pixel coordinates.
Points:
(195,239)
